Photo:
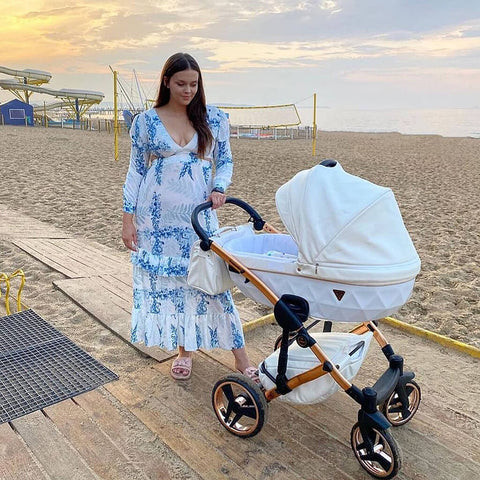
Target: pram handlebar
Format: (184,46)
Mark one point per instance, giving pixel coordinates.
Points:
(258,223)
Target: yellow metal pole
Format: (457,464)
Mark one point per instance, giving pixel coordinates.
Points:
(19,273)
(314,133)
(4,277)
(115,114)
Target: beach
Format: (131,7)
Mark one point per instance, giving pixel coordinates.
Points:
(69,179)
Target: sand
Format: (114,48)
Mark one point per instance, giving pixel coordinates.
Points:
(70,180)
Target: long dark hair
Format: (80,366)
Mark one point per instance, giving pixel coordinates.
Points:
(196,109)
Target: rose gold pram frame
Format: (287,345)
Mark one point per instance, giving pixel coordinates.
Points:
(241,404)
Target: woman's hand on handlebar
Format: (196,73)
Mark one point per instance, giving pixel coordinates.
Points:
(217,199)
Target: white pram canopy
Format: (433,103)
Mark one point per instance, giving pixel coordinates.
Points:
(347,229)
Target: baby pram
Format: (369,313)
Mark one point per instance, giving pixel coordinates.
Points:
(347,258)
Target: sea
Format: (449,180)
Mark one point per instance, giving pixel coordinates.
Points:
(452,122)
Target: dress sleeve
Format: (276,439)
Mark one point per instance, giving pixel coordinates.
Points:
(138,163)
(222,155)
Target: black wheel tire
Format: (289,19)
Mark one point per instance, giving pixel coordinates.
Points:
(391,408)
(387,457)
(240,405)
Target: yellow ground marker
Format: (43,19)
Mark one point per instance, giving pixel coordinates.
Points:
(421,332)
(259,322)
(441,339)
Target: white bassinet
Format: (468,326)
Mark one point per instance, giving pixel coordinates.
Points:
(348,253)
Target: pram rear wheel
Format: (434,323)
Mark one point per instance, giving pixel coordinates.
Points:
(379,454)
(393,409)
(240,405)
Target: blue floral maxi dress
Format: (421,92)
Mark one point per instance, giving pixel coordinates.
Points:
(162,195)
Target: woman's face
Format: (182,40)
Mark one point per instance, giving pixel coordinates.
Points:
(183,86)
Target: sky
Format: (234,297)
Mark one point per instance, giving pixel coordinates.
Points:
(365,54)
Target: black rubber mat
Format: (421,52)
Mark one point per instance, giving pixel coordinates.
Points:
(39,366)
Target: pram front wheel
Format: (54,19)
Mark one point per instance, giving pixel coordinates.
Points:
(240,405)
(397,413)
(378,454)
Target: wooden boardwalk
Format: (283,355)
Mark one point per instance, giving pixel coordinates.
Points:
(147,426)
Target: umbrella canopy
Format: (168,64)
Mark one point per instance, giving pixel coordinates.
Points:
(347,229)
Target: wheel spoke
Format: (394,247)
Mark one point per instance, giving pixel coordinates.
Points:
(240,405)
(228,391)
(383,459)
(397,408)
(235,419)
(249,411)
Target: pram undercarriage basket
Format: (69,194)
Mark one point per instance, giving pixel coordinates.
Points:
(281,271)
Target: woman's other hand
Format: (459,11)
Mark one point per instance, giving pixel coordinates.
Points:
(217,199)
(129,232)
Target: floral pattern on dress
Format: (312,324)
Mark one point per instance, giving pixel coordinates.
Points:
(164,183)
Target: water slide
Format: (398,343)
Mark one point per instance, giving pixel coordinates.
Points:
(32,77)
(29,81)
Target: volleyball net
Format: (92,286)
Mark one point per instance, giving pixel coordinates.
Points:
(267,116)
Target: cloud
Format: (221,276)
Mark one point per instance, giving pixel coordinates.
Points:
(343,40)
(417,72)
(241,55)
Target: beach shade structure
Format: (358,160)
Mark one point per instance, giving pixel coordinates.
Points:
(16,112)
(40,366)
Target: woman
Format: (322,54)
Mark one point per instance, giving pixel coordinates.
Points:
(180,157)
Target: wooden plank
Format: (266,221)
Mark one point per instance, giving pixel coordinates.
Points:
(56,455)
(425,449)
(14,224)
(139,444)
(119,285)
(105,287)
(287,428)
(74,258)
(43,252)
(273,453)
(97,257)
(16,462)
(108,309)
(98,450)
(337,415)
(187,442)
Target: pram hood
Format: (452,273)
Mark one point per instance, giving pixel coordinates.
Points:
(346,228)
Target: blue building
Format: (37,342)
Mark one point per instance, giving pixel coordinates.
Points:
(16,112)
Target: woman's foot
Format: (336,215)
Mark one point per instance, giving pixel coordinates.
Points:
(181,368)
(252,373)
(242,364)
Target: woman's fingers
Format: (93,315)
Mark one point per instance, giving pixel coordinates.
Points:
(218,199)
(129,237)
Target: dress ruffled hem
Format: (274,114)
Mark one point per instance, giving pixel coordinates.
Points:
(189,331)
